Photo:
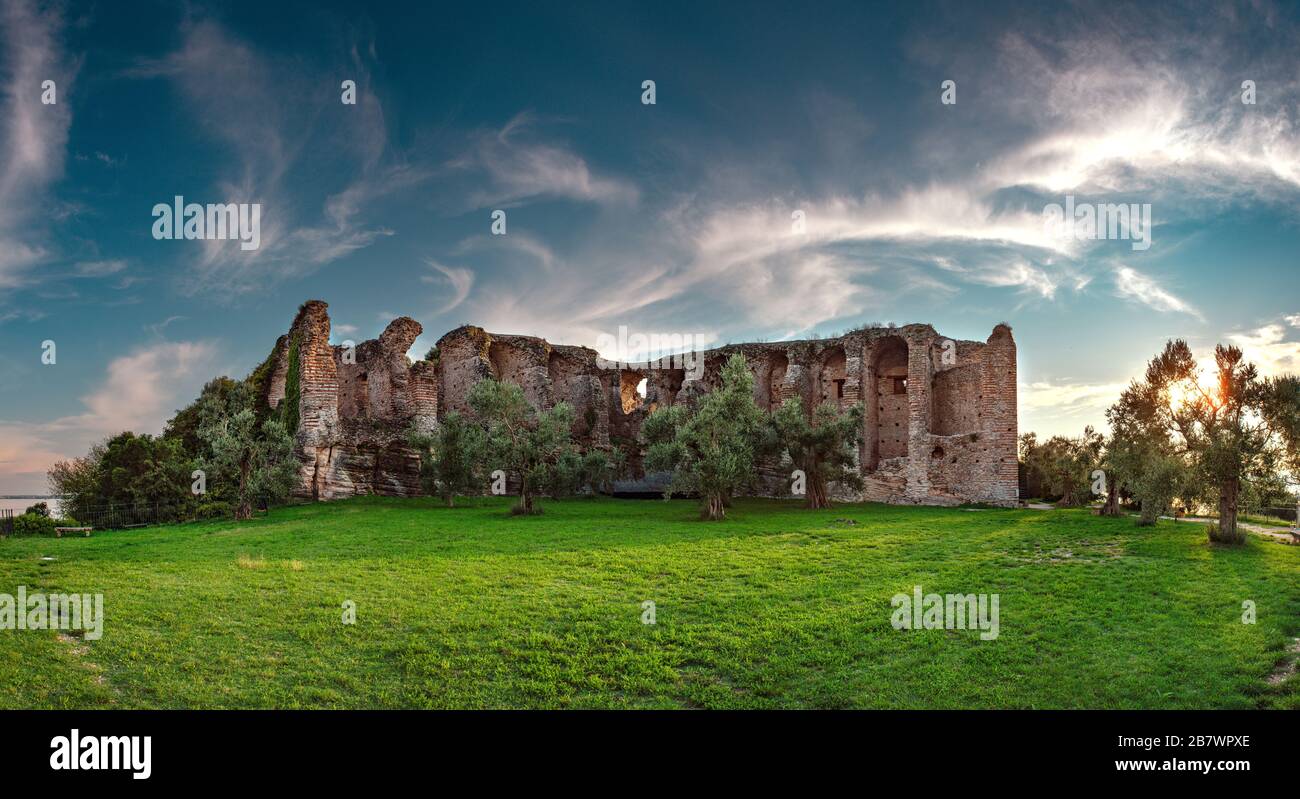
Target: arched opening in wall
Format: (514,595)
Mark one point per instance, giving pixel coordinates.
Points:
(832,377)
(498,358)
(559,381)
(889,368)
(666,385)
(954,400)
(775,379)
(631,390)
(361,395)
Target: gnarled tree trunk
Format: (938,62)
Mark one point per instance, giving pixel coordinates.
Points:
(1227,531)
(244,508)
(715,508)
(818,496)
(525,506)
(1148,515)
(1111,508)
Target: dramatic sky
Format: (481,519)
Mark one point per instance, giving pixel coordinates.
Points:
(668,218)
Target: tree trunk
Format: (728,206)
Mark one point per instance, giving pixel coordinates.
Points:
(817,495)
(525,507)
(1068,497)
(243,508)
(1227,532)
(715,509)
(1148,515)
(1111,508)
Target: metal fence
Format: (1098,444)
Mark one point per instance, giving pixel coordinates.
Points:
(1286,514)
(120,517)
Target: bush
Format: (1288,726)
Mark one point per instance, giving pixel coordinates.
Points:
(39,509)
(1219,536)
(33,524)
(213,510)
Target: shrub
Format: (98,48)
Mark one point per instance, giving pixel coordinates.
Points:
(521,440)
(33,524)
(213,510)
(40,509)
(710,448)
(450,457)
(1220,535)
(824,446)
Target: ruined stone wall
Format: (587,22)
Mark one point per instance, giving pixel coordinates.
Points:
(939,422)
(356,405)
(956,400)
(997,481)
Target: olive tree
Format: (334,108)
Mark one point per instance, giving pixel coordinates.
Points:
(520,440)
(250,461)
(822,447)
(450,457)
(710,448)
(1237,429)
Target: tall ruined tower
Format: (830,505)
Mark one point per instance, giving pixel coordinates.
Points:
(355,406)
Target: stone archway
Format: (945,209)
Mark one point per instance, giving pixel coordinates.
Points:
(887,423)
(832,377)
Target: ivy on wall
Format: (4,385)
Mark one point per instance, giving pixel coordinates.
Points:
(292,389)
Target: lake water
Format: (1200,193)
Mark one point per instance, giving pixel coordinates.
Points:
(20,505)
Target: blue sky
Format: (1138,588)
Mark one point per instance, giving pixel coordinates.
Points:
(665,218)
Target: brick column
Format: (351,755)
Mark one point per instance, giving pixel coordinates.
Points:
(918,418)
(870,457)
(318,379)
(318,402)
(998,479)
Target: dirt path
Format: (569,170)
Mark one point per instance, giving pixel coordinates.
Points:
(1277,533)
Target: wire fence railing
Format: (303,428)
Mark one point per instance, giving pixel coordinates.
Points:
(1281,514)
(116,516)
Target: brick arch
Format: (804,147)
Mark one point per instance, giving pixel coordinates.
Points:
(887,423)
(769,368)
(831,376)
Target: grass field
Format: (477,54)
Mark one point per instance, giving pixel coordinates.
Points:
(776,607)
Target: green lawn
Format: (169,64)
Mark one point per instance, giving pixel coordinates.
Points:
(776,607)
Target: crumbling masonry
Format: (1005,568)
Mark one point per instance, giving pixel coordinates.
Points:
(939,424)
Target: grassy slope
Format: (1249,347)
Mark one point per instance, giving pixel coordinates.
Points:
(777,607)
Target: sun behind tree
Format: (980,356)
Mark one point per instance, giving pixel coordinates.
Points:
(1237,430)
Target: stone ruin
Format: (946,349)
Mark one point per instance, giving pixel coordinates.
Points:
(939,424)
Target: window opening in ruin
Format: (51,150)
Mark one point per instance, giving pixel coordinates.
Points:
(630,391)
(641,387)
(900,385)
(839,389)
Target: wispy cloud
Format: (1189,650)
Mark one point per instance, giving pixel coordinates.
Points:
(1133,285)
(139,392)
(265,110)
(100,268)
(140,388)
(1115,114)
(460,279)
(1268,348)
(33,135)
(519,167)
(1069,398)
